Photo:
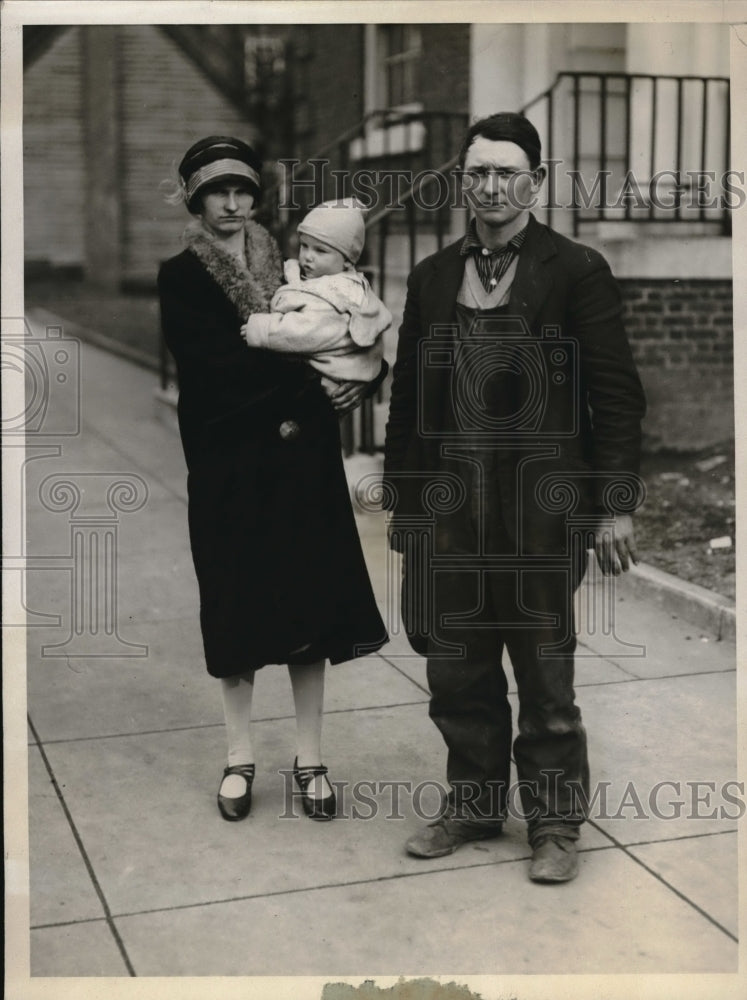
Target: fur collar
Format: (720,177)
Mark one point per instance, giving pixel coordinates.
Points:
(250,291)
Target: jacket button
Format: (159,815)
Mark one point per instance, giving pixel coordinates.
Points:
(289,430)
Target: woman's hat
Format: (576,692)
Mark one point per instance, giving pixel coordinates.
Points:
(339,224)
(217,158)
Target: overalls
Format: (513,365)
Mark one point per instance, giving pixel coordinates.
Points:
(519,608)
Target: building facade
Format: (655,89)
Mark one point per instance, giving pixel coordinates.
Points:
(634,120)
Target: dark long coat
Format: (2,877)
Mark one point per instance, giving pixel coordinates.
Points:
(274,541)
(563,412)
(553,393)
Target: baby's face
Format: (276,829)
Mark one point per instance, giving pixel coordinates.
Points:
(316,258)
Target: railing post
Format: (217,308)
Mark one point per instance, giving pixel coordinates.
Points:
(411,231)
(628,82)
(703,139)
(602,145)
(678,169)
(367,426)
(383,232)
(576,150)
(652,171)
(726,223)
(551,176)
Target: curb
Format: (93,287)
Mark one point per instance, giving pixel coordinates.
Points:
(134,354)
(703,608)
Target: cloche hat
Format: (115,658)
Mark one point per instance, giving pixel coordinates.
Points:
(216,158)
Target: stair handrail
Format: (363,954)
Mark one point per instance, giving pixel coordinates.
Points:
(415,187)
(390,116)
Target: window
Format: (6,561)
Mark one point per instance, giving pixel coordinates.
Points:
(398,50)
(392,84)
(264,61)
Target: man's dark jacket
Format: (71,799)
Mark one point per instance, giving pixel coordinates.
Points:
(558,396)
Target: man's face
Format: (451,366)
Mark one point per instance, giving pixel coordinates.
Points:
(498,181)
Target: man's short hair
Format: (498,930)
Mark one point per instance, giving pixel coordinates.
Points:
(505,126)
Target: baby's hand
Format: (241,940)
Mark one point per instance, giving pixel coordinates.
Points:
(292,270)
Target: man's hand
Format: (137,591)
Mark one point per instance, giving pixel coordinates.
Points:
(614,545)
(344,396)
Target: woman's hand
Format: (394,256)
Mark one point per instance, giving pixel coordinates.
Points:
(345,396)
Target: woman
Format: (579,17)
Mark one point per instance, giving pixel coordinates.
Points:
(275,547)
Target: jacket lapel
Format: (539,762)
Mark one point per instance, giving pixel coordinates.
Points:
(443,286)
(533,279)
(530,288)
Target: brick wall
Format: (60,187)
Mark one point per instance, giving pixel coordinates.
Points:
(329,79)
(444,82)
(681,333)
(444,76)
(332,81)
(166,104)
(53,165)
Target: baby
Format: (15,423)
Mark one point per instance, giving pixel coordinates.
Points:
(327,310)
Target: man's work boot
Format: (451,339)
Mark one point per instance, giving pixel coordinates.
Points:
(447,834)
(554,859)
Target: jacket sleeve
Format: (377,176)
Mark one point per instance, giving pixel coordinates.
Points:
(402,421)
(303,330)
(611,386)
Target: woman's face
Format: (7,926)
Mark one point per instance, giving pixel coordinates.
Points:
(226,207)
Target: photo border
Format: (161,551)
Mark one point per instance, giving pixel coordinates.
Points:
(16,13)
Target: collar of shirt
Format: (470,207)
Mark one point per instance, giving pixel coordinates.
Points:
(491,265)
(471,243)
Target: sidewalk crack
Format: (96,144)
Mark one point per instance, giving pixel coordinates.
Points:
(84,854)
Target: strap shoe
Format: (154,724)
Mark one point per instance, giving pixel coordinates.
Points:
(237,808)
(321,809)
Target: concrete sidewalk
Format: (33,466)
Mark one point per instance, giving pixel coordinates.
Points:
(133,872)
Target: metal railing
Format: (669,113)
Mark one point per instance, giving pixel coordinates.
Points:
(378,160)
(598,166)
(635,147)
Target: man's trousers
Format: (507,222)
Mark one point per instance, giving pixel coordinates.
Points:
(483,598)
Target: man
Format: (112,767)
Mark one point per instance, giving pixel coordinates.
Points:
(512,446)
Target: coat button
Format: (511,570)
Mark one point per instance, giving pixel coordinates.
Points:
(289,430)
